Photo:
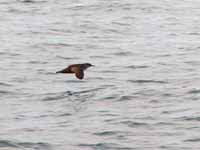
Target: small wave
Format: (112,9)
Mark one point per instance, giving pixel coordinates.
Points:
(111,71)
(121,24)
(28,1)
(147,81)
(67,58)
(6,143)
(76,81)
(84,7)
(137,67)
(167,94)
(63,95)
(4,84)
(105,146)
(37,62)
(124,98)
(105,133)
(107,85)
(175,111)
(62,31)
(87,91)
(113,31)
(64,114)
(1,3)
(39,145)
(164,124)
(52,98)
(97,78)
(58,44)
(162,55)
(190,118)
(196,63)
(55,96)
(23,145)
(9,54)
(43,71)
(195,91)
(193,140)
(14,54)
(122,53)
(5,92)
(100,57)
(194,33)
(31,1)
(3,53)
(111,97)
(133,124)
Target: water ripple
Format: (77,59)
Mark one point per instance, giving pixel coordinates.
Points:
(39,145)
(126,97)
(134,124)
(55,96)
(5,84)
(194,91)
(106,146)
(147,81)
(32,1)
(106,133)
(67,58)
(122,53)
(137,67)
(193,140)
(190,118)
(6,92)
(23,145)
(5,143)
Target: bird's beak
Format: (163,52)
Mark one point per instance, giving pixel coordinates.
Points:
(92,65)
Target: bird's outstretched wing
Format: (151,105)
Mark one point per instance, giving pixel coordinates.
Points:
(78,72)
(66,70)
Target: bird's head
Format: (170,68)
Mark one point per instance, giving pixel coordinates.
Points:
(87,65)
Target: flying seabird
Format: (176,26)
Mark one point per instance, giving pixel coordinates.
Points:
(78,69)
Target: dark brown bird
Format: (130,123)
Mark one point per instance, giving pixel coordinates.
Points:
(78,69)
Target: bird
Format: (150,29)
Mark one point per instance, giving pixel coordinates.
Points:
(78,69)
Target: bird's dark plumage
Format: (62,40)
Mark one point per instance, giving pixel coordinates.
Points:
(78,69)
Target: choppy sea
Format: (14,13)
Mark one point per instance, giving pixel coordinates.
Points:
(142,94)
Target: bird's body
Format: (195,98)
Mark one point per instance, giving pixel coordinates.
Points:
(78,69)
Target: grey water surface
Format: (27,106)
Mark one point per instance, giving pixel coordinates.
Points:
(142,94)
